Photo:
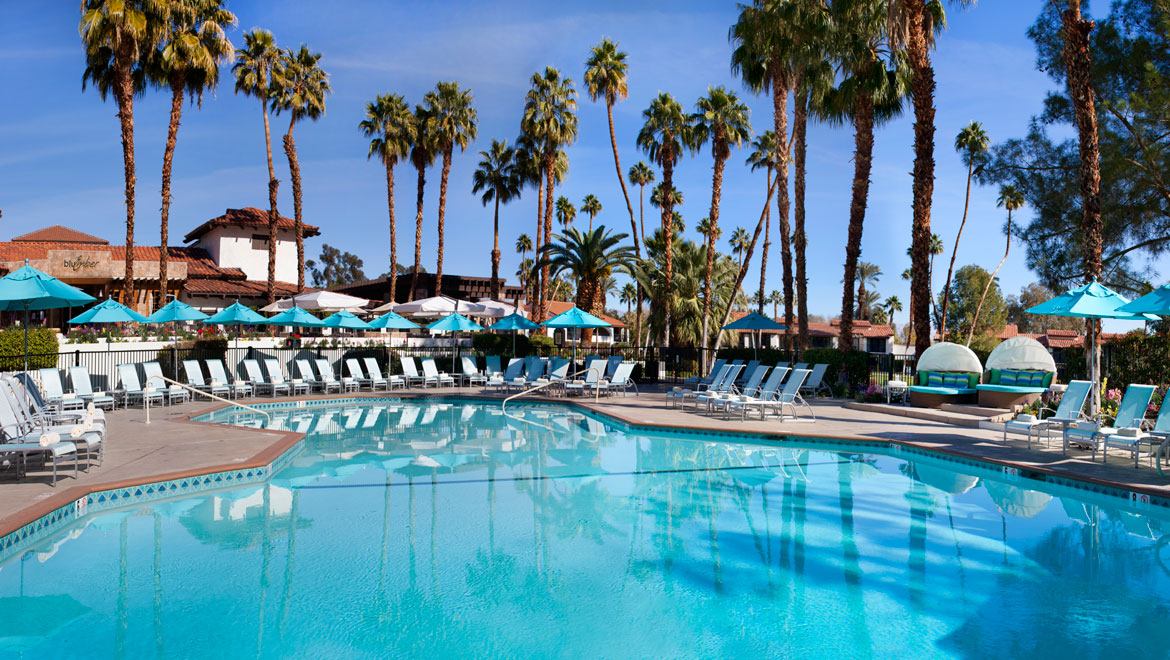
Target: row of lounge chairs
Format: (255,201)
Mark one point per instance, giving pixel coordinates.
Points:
(601,376)
(814,385)
(775,390)
(32,435)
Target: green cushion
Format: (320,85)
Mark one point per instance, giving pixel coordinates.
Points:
(994,379)
(1038,378)
(934,379)
(1048,376)
(922,377)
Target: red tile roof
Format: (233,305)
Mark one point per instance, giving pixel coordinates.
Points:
(832,328)
(199,261)
(246,217)
(236,288)
(59,234)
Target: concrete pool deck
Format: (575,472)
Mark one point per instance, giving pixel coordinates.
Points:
(171,447)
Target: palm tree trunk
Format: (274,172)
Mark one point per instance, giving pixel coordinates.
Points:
(780,87)
(393,232)
(550,161)
(1078,60)
(617,163)
(273,215)
(668,237)
(496,251)
(743,268)
(418,223)
(716,193)
(534,303)
(862,312)
(862,163)
(124,95)
(442,216)
(294,173)
(942,323)
(982,298)
(764,251)
(642,209)
(922,94)
(178,82)
(799,240)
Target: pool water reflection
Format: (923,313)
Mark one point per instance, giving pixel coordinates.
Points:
(449,530)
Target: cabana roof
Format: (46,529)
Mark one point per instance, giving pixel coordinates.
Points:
(1021,353)
(945,356)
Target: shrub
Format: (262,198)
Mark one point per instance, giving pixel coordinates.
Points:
(487,342)
(42,348)
(854,363)
(536,342)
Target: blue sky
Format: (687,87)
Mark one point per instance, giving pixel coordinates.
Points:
(60,155)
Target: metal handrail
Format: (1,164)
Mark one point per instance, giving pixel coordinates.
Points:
(206,394)
(596,392)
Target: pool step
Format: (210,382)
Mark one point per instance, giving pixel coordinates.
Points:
(997,415)
(955,418)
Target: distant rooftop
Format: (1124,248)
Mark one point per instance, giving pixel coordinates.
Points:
(247,217)
(60,234)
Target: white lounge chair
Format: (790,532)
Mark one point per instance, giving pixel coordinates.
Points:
(430,370)
(276,377)
(256,376)
(217,374)
(83,386)
(326,370)
(131,388)
(375,372)
(154,378)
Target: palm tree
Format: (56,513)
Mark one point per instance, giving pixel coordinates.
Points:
(523,247)
(867,274)
(866,95)
(187,63)
(497,177)
(605,77)
(913,25)
(775,298)
(565,211)
(551,121)
(590,258)
(971,143)
(628,296)
(389,124)
(592,206)
(892,304)
(1012,199)
(117,35)
(739,242)
(656,197)
(454,126)
(709,232)
(254,67)
(764,155)
(422,156)
(724,120)
(665,131)
(641,175)
(936,249)
(299,87)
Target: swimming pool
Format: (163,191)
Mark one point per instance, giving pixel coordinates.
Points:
(445,529)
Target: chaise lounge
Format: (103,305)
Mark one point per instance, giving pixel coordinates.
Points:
(947,373)
(1019,371)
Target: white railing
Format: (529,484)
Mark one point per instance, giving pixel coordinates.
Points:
(146,398)
(557,381)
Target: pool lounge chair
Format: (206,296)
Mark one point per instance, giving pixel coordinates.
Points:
(816,381)
(492,366)
(325,369)
(611,365)
(154,378)
(748,371)
(675,395)
(131,388)
(789,396)
(195,379)
(1132,439)
(1067,412)
(217,374)
(32,402)
(799,365)
(24,435)
(54,393)
(431,370)
(715,399)
(591,380)
(276,377)
(763,398)
(694,381)
(83,386)
(724,386)
(621,380)
(1131,414)
(500,382)
(374,371)
(256,376)
(410,371)
(305,371)
(355,372)
(471,375)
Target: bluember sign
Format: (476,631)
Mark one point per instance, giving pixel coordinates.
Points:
(98,265)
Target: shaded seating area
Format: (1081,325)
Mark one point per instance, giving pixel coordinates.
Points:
(1019,371)
(947,373)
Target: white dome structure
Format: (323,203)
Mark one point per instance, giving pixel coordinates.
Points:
(1021,353)
(946,356)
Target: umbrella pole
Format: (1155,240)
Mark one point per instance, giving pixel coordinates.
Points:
(1095,400)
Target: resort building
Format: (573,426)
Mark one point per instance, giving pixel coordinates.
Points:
(225,259)
(866,336)
(461,287)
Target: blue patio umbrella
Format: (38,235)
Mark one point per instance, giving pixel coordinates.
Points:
(575,317)
(1091,301)
(454,323)
(1155,302)
(344,319)
(393,321)
(755,321)
(514,322)
(27,288)
(107,312)
(172,313)
(295,317)
(237,315)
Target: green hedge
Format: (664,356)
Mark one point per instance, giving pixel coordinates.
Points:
(42,348)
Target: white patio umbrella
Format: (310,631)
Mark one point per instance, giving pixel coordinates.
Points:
(328,301)
(495,309)
(436,306)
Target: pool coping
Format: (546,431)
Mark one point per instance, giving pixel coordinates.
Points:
(51,513)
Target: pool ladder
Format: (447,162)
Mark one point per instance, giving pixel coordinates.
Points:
(504,404)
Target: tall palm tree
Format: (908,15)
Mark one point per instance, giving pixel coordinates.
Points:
(892,304)
(592,206)
(565,212)
(869,91)
(724,121)
(422,156)
(776,298)
(523,247)
(739,243)
(627,297)
(764,155)
(389,124)
(664,133)
(913,25)
(972,144)
(867,274)
(499,181)
(657,195)
(254,67)
(708,231)
(641,175)
(1012,199)
(455,125)
(936,248)
(590,258)
(117,35)
(188,64)
(605,77)
(550,118)
(299,87)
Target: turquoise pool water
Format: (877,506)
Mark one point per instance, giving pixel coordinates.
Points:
(446,530)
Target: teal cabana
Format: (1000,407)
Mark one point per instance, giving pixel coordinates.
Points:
(1019,371)
(947,373)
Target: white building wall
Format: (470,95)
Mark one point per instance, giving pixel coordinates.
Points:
(232,247)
